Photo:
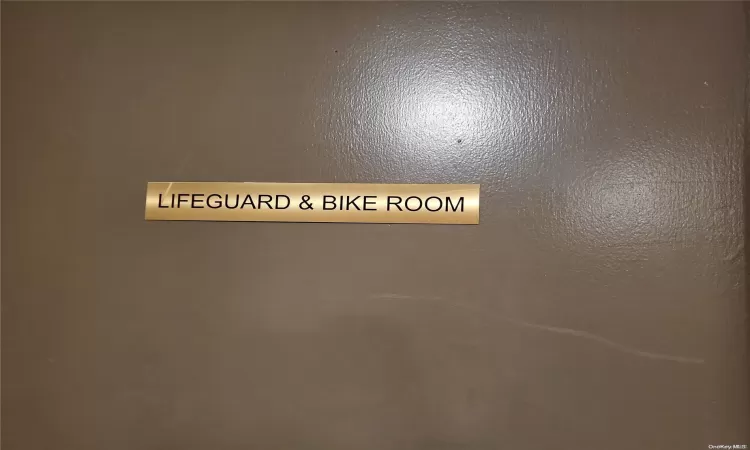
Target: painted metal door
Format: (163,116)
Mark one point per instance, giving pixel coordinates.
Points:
(599,304)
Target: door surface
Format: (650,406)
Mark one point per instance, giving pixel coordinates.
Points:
(598,304)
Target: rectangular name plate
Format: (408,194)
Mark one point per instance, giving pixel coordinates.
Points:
(314,202)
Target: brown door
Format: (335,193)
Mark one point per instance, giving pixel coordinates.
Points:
(599,304)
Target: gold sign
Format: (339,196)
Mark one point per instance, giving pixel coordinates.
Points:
(314,202)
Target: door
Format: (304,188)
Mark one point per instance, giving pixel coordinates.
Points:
(600,302)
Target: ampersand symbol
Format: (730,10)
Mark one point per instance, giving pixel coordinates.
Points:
(306,204)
